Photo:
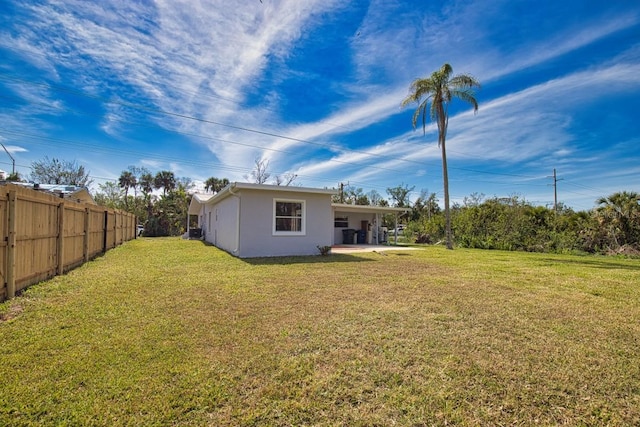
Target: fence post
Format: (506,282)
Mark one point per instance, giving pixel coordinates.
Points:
(60,238)
(105,231)
(11,245)
(85,243)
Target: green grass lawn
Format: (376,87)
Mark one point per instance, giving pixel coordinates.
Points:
(174,332)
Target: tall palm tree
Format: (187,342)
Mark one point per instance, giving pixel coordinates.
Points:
(439,90)
(165,180)
(126,181)
(215,184)
(146,184)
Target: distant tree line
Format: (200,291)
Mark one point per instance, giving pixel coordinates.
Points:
(514,224)
(160,201)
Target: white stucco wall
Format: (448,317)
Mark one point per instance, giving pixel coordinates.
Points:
(256,224)
(224,224)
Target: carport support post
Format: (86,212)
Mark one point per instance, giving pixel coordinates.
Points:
(395,234)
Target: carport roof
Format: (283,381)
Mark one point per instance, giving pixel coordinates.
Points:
(342,207)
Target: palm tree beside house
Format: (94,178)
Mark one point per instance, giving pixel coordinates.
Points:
(434,94)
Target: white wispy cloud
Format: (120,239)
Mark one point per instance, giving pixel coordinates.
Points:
(532,125)
(15,148)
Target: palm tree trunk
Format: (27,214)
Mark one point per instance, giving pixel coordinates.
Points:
(447,211)
(442,136)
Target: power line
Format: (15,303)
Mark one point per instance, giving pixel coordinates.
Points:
(230,168)
(584,186)
(333,146)
(165,158)
(271,134)
(202,120)
(151,110)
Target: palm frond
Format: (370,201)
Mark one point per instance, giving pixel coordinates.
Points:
(466,95)
(439,88)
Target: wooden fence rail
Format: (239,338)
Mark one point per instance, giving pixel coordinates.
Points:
(45,235)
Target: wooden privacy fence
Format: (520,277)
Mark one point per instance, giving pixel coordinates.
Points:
(45,235)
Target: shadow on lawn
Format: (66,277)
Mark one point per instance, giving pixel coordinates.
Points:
(609,265)
(309,259)
(304,259)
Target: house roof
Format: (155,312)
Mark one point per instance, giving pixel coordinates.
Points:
(199,199)
(232,188)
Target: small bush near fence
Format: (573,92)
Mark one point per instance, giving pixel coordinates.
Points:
(44,235)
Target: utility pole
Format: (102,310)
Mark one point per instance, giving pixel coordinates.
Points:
(555,190)
(342,193)
(13,161)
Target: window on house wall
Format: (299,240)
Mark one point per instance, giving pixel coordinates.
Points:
(341,222)
(288,216)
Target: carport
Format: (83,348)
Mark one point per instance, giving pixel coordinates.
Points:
(365,220)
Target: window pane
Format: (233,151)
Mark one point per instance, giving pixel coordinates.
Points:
(288,224)
(288,209)
(281,209)
(283,224)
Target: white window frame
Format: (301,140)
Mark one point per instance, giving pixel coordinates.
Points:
(303,216)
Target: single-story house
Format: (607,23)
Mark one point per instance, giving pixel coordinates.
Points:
(258,220)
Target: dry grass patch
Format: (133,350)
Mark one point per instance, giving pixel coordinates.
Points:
(172,332)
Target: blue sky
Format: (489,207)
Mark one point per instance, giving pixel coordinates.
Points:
(204,88)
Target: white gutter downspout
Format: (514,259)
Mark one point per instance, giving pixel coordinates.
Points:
(231,187)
